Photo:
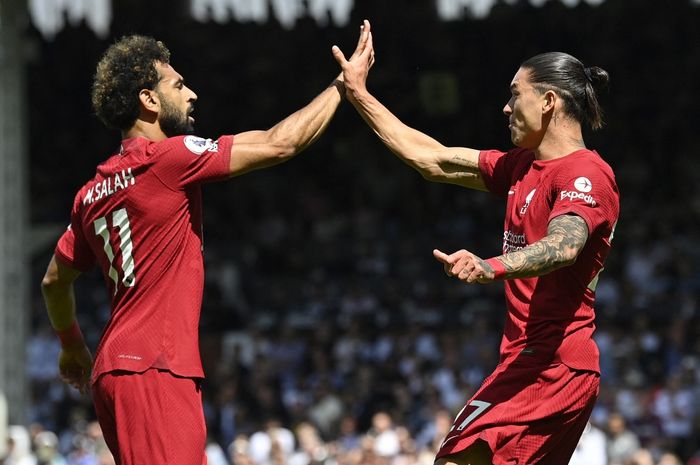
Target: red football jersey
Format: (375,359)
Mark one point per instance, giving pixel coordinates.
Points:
(140,220)
(550,317)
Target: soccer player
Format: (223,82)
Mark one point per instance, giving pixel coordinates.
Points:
(140,220)
(562,204)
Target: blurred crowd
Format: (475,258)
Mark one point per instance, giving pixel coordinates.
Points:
(369,393)
(329,334)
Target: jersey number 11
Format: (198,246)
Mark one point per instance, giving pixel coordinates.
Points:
(120,221)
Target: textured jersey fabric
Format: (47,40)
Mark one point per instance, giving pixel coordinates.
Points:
(550,318)
(526,414)
(140,220)
(151,418)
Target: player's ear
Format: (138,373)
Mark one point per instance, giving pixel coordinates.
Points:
(549,100)
(149,100)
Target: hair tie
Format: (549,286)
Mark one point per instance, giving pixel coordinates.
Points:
(587,72)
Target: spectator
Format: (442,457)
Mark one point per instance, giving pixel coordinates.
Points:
(590,449)
(674,406)
(623,444)
(19,447)
(271,445)
(669,458)
(642,457)
(239,451)
(431,436)
(311,450)
(348,438)
(386,440)
(46,447)
(327,408)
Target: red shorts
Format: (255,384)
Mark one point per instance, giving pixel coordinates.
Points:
(526,414)
(153,417)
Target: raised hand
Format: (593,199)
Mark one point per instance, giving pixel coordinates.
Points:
(465,266)
(356,68)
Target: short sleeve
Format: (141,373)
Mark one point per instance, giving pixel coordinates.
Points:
(497,168)
(589,191)
(72,248)
(184,160)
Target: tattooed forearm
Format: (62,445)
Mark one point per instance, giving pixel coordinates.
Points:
(461,165)
(566,236)
(461,160)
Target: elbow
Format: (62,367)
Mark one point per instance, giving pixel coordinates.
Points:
(283,145)
(274,154)
(433,175)
(52,281)
(49,283)
(569,257)
(567,262)
(287,151)
(429,173)
(283,150)
(58,279)
(429,168)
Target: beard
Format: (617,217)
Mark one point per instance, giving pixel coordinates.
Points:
(173,121)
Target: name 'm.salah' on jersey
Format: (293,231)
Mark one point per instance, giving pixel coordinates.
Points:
(140,220)
(550,318)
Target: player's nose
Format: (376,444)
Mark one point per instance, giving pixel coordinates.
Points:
(192,97)
(507,110)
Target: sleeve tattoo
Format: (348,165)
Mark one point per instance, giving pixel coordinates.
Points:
(566,236)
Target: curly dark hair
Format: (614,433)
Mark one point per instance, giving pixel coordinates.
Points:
(127,67)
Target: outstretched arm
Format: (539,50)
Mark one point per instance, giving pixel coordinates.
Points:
(253,150)
(566,237)
(434,161)
(75,361)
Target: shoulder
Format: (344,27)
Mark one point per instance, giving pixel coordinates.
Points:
(601,164)
(87,189)
(512,154)
(508,161)
(519,159)
(190,145)
(584,179)
(585,164)
(591,160)
(521,154)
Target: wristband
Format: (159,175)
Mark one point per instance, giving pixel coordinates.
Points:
(71,336)
(499,269)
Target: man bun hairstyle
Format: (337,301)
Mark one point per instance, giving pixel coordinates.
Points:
(577,85)
(127,67)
